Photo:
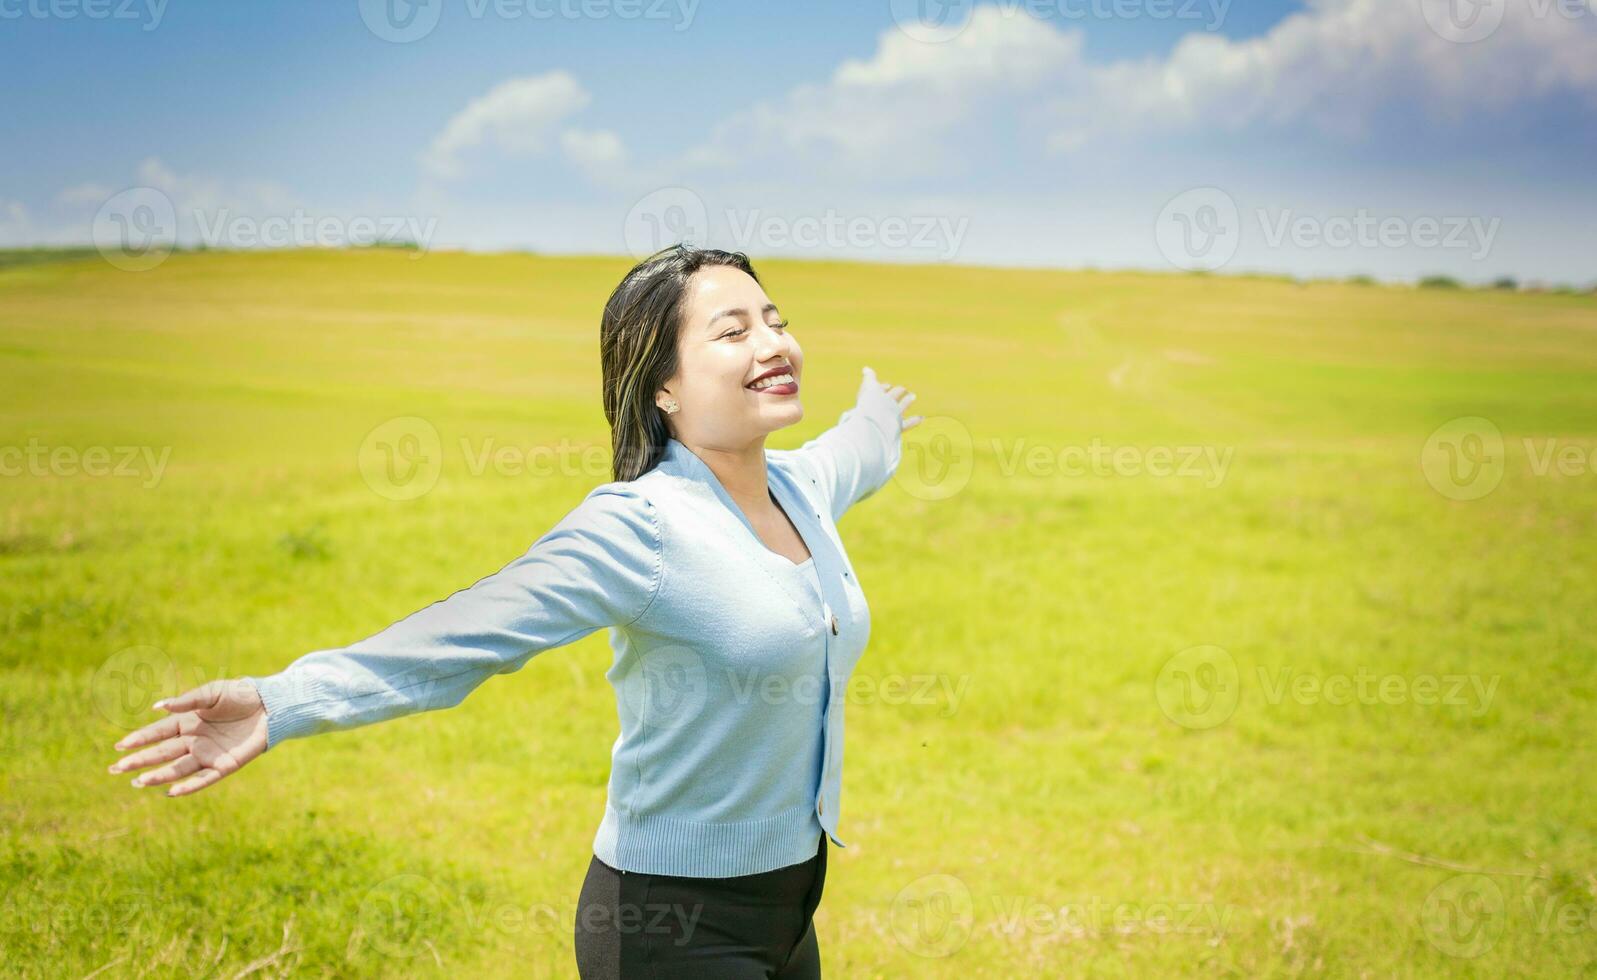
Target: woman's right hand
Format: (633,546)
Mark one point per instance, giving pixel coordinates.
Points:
(208,733)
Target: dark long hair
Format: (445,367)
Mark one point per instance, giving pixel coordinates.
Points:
(638,349)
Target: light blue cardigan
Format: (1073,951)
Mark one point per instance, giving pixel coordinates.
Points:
(729,679)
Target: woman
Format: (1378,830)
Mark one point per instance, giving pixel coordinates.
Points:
(734,615)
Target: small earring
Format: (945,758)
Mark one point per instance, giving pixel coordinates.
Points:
(671,408)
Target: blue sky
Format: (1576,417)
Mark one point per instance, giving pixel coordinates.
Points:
(1392,137)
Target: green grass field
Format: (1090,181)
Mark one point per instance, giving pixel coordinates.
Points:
(1261,693)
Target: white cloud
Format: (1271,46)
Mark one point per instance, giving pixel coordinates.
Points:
(901,107)
(599,149)
(204,193)
(1333,67)
(516,116)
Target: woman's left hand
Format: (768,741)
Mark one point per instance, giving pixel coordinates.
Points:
(871,386)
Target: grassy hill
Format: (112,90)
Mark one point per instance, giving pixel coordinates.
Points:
(1214,633)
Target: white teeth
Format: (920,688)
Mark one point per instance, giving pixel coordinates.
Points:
(775,379)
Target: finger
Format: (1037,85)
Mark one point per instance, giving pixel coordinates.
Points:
(168,750)
(895,391)
(913,421)
(903,403)
(156,731)
(204,696)
(186,766)
(195,783)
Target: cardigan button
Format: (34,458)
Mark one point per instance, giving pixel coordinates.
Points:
(834,624)
(820,807)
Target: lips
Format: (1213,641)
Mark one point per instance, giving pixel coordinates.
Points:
(784,369)
(763,384)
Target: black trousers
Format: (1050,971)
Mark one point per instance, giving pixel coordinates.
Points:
(663,927)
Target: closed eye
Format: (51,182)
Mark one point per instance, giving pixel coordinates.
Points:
(743,330)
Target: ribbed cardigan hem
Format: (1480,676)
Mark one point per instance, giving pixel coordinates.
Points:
(666,846)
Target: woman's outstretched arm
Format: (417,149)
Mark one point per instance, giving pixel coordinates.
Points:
(599,566)
(857,456)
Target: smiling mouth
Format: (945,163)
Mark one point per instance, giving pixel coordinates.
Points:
(776,384)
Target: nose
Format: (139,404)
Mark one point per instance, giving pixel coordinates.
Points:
(773,343)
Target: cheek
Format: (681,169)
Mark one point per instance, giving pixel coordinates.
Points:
(717,374)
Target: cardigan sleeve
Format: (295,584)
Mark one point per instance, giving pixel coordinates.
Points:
(598,566)
(856,457)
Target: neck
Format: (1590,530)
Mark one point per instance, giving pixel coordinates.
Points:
(741,471)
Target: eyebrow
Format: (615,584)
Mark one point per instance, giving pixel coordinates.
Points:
(740,311)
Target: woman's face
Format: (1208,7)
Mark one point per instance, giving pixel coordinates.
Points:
(731,335)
